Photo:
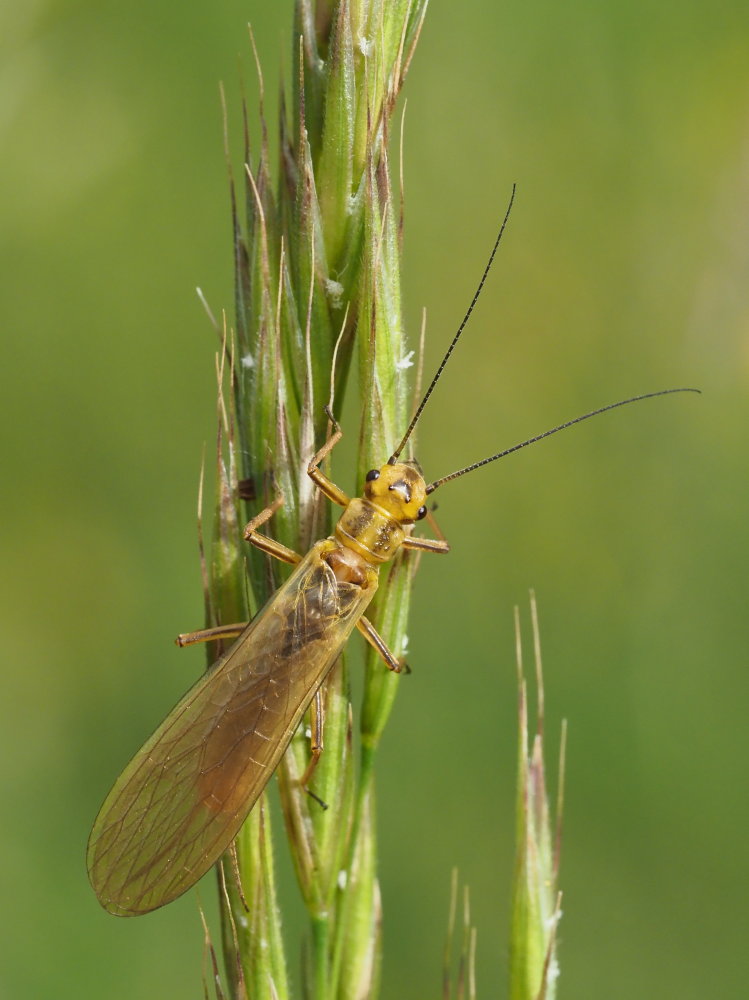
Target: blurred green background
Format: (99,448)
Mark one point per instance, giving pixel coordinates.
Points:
(626,126)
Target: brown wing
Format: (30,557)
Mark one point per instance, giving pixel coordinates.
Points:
(182,798)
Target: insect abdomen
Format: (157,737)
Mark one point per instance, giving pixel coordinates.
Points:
(182,798)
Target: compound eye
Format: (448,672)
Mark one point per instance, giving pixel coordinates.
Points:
(372,475)
(421,513)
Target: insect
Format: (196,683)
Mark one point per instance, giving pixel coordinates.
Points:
(181,800)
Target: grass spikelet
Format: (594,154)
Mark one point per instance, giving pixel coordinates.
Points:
(317,272)
(536,903)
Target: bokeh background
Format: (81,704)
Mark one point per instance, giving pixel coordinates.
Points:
(626,126)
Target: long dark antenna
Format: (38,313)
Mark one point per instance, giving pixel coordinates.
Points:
(394,457)
(539,437)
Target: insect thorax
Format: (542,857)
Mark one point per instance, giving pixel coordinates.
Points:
(368,530)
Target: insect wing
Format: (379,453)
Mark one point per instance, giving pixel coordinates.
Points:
(183,797)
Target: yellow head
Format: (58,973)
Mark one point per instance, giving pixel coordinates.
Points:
(399,490)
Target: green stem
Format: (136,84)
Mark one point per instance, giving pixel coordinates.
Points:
(320,958)
(347,896)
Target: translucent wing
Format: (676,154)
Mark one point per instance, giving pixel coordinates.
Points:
(182,798)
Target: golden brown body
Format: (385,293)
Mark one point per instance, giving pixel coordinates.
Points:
(181,800)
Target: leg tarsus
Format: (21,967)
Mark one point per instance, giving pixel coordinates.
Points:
(317,722)
(418,544)
(318,477)
(329,414)
(373,637)
(237,875)
(318,800)
(211,634)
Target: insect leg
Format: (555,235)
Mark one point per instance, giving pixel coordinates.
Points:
(432,522)
(317,722)
(375,640)
(210,634)
(426,544)
(270,545)
(318,477)
(237,876)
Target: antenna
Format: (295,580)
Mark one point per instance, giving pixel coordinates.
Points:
(394,457)
(560,427)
